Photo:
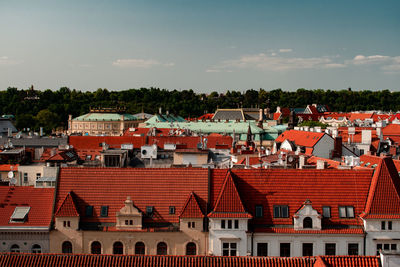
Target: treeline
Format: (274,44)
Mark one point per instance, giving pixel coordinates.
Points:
(50,109)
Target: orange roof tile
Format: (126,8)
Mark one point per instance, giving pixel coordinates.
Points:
(8,167)
(40,201)
(191,209)
(67,208)
(300,138)
(39,260)
(229,204)
(384,193)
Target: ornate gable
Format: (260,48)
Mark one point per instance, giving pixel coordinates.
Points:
(307,218)
(129,217)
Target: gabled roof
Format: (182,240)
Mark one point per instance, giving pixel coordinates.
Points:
(40,201)
(300,138)
(384,193)
(157,188)
(229,204)
(191,209)
(67,208)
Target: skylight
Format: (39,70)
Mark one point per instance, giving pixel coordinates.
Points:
(20,214)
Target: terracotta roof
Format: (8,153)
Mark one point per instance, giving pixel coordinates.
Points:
(391,129)
(8,167)
(372,161)
(40,201)
(332,164)
(330,231)
(159,188)
(269,187)
(384,194)
(39,260)
(229,204)
(67,208)
(360,116)
(300,138)
(191,209)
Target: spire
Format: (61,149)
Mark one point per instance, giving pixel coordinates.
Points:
(67,208)
(191,209)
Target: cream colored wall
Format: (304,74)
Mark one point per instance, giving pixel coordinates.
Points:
(176,241)
(100,127)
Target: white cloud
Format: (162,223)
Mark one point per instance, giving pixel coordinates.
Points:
(285,50)
(6,61)
(140,63)
(361,59)
(274,63)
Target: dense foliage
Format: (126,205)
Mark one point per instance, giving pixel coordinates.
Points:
(52,108)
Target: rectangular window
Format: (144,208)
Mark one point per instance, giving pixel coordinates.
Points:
(229,224)
(259,211)
(68,224)
(284,250)
(262,249)
(193,225)
(346,212)
(25,177)
(307,249)
(281,211)
(229,249)
(89,211)
(189,224)
(383,225)
(171,209)
(222,224)
(104,211)
(326,211)
(353,249)
(236,224)
(386,246)
(393,247)
(65,223)
(130,222)
(330,249)
(389,225)
(38,175)
(126,222)
(149,210)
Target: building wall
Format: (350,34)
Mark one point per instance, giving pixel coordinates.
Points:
(217,236)
(324,147)
(113,128)
(193,159)
(375,235)
(296,243)
(25,241)
(31,171)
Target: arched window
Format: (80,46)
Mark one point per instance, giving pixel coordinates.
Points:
(307,222)
(66,247)
(190,248)
(162,248)
(15,248)
(96,247)
(36,248)
(139,248)
(118,248)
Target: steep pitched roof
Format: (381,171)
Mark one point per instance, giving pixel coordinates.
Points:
(157,188)
(40,201)
(384,194)
(290,187)
(67,208)
(229,204)
(191,209)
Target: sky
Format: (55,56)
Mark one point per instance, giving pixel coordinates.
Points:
(202,45)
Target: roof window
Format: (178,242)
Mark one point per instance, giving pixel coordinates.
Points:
(20,214)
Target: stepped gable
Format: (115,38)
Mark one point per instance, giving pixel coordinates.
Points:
(270,187)
(155,188)
(67,208)
(384,194)
(191,209)
(229,204)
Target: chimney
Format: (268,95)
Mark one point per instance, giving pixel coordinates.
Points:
(302,161)
(337,147)
(321,164)
(366,136)
(261,115)
(379,133)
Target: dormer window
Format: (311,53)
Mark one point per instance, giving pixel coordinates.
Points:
(307,222)
(346,212)
(171,209)
(281,211)
(20,214)
(89,211)
(104,211)
(326,212)
(149,211)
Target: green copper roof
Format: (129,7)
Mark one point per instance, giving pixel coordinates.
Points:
(105,117)
(165,118)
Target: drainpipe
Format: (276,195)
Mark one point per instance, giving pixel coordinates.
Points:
(365,243)
(252,244)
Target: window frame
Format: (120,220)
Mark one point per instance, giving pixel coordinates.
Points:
(346,210)
(262,249)
(279,211)
(305,249)
(231,248)
(283,249)
(349,249)
(259,211)
(326,209)
(330,249)
(104,211)
(89,211)
(171,210)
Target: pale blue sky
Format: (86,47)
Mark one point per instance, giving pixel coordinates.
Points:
(201,45)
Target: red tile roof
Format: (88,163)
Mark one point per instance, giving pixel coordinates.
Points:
(40,201)
(391,130)
(160,188)
(300,138)
(8,167)
(330,231)
(384,194)
(191,209)
(269,187)
(360,116)
(67,208)
(229,204)
(332,164)
(372,161)
(56,260)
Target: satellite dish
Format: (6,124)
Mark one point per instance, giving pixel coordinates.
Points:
(290,158)
(13,181)
(10,175)
(66,147)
